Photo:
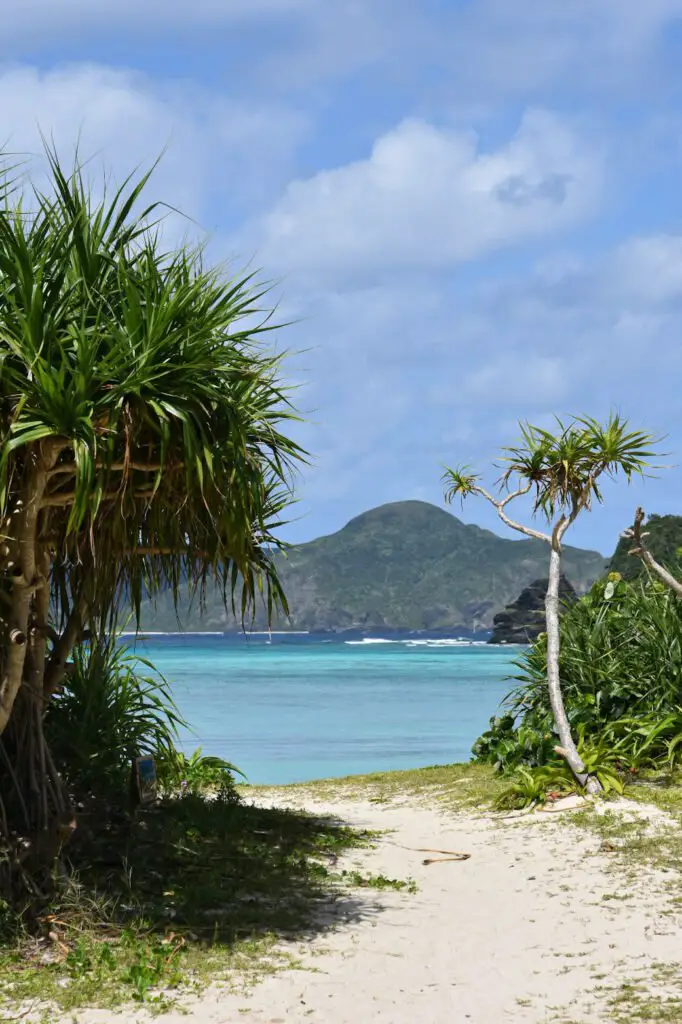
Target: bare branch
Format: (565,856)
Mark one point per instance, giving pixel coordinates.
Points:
(528,531)
(516,494)
(640,550)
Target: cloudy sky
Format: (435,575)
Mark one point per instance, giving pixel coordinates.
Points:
(470,207)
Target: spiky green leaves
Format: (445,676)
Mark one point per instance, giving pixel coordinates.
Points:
(459,482)
(564,467)
(148,373)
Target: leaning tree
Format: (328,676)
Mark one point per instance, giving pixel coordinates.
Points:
(562,471)
(141,446)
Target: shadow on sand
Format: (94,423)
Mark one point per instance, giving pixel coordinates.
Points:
(218,871)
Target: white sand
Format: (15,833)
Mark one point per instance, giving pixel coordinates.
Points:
(521,932)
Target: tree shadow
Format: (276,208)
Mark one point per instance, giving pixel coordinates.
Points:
(218,871)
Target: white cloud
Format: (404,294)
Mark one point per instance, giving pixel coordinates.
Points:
(77,15)
(525,379)
(650,268)
(122,119)
(274,45)
(482,49)
(402,388)
(429,197)
(496,47)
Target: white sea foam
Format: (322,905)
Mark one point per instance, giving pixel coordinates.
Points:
(439,643)
(370,640)
(276,632)
(421,642)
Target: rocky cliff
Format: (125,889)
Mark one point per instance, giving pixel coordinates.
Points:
(523,620)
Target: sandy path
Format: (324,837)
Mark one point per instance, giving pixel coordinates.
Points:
(515,934)
(510,935)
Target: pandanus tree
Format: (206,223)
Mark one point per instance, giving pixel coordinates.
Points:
(142,446)
(562,471)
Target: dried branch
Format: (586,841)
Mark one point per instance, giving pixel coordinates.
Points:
(640,550)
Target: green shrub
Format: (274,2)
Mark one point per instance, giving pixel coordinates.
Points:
(114,707)
(196,773)
(621,674)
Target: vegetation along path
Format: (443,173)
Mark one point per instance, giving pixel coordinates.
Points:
(564,917)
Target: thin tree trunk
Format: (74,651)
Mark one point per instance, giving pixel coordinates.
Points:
(568,748)
(55,668)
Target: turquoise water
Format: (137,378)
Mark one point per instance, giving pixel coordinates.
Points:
(303,708)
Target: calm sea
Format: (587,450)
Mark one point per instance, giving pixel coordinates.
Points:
(308,707)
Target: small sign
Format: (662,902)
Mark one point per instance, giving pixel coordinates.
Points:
(145,771)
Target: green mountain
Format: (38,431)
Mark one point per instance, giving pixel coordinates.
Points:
(407,565)
(664,542)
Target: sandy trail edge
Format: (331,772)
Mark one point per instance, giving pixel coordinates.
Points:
(521,932)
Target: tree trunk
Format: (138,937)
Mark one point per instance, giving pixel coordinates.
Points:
(568,747)
(36,815)
(35,812)
(24,578)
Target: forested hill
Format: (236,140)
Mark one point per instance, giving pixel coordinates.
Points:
(407,565)
(664,541)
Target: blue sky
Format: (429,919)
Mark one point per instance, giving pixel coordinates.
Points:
(471,207)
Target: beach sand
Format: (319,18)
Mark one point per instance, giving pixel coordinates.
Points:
(539,925)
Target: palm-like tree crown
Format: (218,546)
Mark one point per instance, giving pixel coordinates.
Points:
(141,414)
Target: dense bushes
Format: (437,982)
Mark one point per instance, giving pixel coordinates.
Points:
(621,672)
(114,707)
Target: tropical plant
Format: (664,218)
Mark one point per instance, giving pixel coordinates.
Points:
(114,707)
(141,446)
(196,773)
(563,472)
(531,786)
(621,671)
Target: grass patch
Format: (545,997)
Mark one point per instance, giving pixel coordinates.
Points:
(454,786)
(654,999)
(643,840)
(637,842)
(380,882)
(191,891)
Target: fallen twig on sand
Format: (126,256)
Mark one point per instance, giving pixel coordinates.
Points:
(442,860)
(452,855)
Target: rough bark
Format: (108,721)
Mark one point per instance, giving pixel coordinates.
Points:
(24,582)
(34,805)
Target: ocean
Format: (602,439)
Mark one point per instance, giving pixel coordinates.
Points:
(291,708)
